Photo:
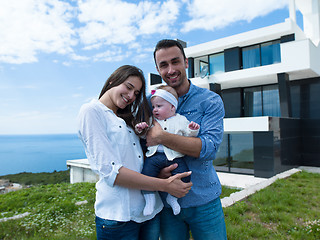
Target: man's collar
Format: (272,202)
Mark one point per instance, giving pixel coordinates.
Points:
(191,87)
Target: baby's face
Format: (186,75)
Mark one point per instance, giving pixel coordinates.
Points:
(162,109)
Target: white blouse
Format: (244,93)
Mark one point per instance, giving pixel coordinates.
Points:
(110,144)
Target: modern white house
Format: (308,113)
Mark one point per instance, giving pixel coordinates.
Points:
(269,81)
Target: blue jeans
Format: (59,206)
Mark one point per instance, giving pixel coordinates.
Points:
(205,222)
(111,230)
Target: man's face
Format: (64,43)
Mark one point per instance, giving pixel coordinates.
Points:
(172,66)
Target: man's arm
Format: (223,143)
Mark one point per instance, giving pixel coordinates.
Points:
(190,146)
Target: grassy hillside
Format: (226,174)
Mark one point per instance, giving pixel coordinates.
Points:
(43,178)
(287,209)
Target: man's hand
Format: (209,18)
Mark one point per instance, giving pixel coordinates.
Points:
(166,172)
(190,146)
(153,135)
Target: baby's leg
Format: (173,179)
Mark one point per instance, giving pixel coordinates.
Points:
(150,199)
(151,167)
(173,202)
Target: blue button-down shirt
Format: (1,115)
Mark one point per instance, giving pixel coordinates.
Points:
(205,108)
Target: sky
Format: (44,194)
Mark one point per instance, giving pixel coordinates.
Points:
(56,55)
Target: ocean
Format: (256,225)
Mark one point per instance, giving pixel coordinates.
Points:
(38,153)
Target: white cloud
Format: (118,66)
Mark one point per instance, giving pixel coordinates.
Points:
(106,22)
(32,26)
(78,57)
(67,64)
(110,22)
(216,14)
(157,18)
(107,28)
(113,54)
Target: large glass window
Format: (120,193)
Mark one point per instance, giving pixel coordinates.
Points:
(252,102)
(251,57)
(261,54)
(204,70)
(271,102)
(201,66)
(221,161)
(241,152)
(262,101)
(270,53)
(295,93)
(216,62)
(235,154)
(314,101)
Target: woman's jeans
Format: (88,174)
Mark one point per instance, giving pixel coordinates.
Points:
(206,222)
(111,230)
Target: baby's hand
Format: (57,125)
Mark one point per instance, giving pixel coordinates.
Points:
(141,126)
(194,126)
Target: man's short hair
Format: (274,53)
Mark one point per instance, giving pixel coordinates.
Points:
(167,43)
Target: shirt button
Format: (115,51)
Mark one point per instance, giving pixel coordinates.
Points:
(165,120)
(165,128)
(119,126)
(129,131)
(189,113)
(139,156)
(112,163)
(134,144)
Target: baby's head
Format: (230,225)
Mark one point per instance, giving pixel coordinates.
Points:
(164,102)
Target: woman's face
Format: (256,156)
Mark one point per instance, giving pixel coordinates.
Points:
(125,93)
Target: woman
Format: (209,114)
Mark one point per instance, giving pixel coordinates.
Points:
(114,152)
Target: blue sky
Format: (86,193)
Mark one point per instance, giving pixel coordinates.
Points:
(56,55)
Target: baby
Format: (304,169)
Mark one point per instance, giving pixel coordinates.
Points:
(164,103)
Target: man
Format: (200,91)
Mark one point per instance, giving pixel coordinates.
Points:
(201,210)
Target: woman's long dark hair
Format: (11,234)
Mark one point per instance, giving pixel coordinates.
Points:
(139,110)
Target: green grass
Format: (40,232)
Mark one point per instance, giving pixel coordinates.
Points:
(288,209)
(53,212)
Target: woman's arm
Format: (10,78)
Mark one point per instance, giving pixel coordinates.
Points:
(173,185)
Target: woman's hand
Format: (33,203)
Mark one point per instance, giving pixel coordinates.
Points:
(176,187)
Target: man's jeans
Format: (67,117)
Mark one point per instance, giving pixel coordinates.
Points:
(205,222)
(111,230)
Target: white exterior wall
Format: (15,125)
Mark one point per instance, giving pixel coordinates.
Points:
(310,10)
(299,58)
(247,38)
(80,171)
(246,124)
